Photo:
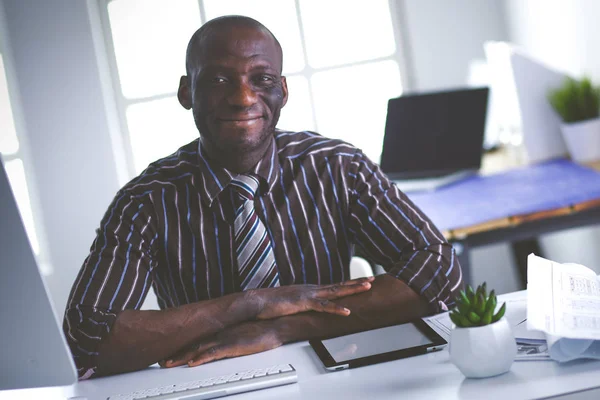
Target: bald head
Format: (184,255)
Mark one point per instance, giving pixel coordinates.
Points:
(203,37)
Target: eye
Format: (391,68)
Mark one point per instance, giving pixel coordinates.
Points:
(265,80)
(218,79)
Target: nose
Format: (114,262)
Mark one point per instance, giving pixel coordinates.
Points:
(242,95)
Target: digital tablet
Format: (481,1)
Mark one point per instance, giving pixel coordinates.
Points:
(377,345)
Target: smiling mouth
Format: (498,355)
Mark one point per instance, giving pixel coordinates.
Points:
(241,120)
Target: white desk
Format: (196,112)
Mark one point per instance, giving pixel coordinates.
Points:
(430,376)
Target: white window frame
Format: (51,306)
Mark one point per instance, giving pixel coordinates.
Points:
(123,103)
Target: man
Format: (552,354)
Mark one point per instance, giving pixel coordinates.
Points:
(246,234)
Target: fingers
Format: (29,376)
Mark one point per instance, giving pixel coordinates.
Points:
(189,355)
(343,289)
(324,305)
(205,353)
(239,347)
(357,281)
(214,353)
(326,293)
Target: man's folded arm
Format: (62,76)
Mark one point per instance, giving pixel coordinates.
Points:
(396,234)
(115,275)
(423,273)
(108,333)
(105,329)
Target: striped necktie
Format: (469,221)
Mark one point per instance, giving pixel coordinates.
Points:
(256,261)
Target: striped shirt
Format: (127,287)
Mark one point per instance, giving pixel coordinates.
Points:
(171,228)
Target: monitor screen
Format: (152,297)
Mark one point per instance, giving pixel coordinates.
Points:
(433,134)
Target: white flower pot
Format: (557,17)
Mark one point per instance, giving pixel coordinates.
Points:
(483,351)
(583,140)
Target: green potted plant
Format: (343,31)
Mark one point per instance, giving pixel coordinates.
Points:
(577,102)
(481,341)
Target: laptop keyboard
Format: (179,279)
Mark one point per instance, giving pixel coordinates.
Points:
(218,386)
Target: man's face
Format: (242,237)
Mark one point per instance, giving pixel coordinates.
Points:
(237,90)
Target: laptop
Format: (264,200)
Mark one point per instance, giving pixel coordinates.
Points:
(33,351)
(434,139)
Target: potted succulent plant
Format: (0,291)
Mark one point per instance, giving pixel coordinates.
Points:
(578,104)
(481,341)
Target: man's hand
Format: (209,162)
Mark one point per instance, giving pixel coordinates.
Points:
(390,301)
(293,299)
(247,338)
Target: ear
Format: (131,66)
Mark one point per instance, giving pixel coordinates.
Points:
(285,91)
(184,94)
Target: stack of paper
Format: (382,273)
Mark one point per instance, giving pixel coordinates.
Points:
(531,344)
(564,303)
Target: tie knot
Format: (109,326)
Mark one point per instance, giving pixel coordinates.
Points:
(245,185)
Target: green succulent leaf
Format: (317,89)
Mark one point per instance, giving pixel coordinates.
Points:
(460,320)
(474,318)
(491,302)
(454,318)
(500,313)
(480,305)
(465,321)
(487,317)
(463,309)
(470,293)
(464,299)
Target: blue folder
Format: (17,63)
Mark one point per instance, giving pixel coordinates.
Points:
(540,187)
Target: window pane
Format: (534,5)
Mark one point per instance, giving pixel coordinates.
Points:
(18,183)
(8,134)
(344,31)
(279,16)
(157,129)
(351,103)
(297,114)
(150,38)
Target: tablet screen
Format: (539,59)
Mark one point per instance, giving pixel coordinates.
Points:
(377,341)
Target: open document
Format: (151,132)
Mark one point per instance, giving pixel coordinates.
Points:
(563,301)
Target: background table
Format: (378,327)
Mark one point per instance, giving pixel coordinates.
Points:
(514,206)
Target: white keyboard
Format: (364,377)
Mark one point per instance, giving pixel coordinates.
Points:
(218,386)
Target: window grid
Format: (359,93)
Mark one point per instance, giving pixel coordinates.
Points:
(121,101)
(308,72)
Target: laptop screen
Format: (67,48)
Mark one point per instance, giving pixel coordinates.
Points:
(433,134)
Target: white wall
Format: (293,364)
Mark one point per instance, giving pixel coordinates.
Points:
(444,36)
(565,34)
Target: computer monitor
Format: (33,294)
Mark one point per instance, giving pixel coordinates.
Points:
(434,134)
(33,349)
(540,123)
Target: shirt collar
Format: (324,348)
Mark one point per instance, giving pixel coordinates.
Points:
(215,178)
